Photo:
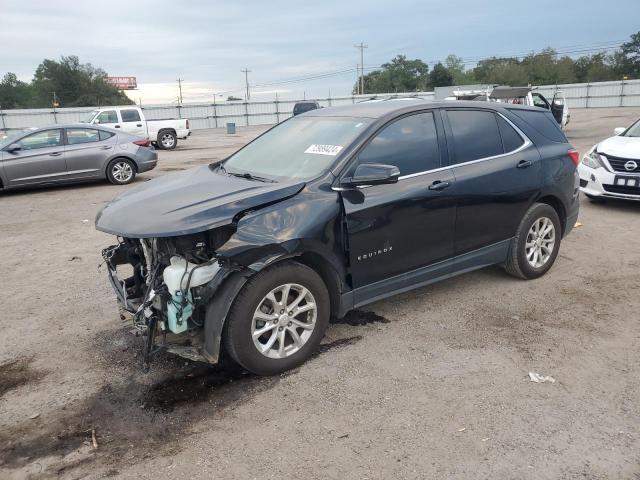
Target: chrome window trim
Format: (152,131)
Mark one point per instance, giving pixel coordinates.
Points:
(526,144)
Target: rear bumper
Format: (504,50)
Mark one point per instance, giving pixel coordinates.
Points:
(146,159)
(601,183)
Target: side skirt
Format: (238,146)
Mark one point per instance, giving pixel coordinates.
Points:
(467,262)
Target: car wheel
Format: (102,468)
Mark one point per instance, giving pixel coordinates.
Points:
(535,246)
(167,140)
(121,171)
(278,319)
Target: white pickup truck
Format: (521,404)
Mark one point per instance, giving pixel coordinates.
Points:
(164,134)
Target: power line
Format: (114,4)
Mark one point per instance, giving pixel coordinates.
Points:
(180,90)
(361,47)
(246,81)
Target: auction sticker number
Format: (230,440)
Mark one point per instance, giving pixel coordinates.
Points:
(332,150)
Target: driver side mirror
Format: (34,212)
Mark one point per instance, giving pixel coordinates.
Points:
(373,174)
(619,130)
(14,147)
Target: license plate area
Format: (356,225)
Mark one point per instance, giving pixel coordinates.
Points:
(623,181)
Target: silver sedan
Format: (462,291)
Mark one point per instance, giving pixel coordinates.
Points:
(72,153)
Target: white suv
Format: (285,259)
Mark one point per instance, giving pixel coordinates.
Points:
(612,167)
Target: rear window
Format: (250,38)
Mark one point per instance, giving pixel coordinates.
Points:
(511,140)
(475,134)
(130,115)
(104,135)
(542,122)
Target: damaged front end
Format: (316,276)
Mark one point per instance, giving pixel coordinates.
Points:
(166,285)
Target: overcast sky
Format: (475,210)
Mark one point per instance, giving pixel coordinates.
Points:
(207,43)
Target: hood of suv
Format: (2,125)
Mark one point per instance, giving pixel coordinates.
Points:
(623,147)
(188,202)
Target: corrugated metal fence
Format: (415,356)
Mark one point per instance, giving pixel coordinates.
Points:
(580,95)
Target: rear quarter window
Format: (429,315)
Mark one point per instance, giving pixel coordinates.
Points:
(543,122)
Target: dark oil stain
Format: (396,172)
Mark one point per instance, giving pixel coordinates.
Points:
(339,343)
(133,417)
(16,373)
(357,318)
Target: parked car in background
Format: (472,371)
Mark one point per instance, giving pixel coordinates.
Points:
(72,153)
(332,210)
(306,106)
(164,134)
(520,96)
(611,169)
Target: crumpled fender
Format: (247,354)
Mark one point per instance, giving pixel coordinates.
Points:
(292,227)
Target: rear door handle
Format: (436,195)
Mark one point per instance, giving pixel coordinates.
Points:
(139,125)
(438,185)
(116,126)
(524,164)
(55,154)
(105,147)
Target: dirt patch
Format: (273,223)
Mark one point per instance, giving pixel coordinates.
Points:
(133,419)
(16,373)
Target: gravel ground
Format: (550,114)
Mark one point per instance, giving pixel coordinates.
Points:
(429,384)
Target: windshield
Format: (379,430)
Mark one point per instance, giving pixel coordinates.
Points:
(89,116)
(300,148)
(8,136)
(633,130)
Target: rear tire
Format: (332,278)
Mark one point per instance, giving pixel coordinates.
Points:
(264,305)
(121,171)
(535,246)
(167,140)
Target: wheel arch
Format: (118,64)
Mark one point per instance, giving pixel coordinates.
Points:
(555,203)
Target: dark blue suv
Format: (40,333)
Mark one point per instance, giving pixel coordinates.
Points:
(331,210)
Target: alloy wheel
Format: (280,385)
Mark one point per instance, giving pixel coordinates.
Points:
(122,172)
(284,321)
(541,240)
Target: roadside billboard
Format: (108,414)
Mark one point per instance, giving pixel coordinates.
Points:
(123,83)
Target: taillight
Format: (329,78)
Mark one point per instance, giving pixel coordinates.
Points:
(143,143)
(574,156)
(187,124)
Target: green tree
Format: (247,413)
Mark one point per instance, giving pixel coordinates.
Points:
(630,57)
(14,93)
(455,65)
(75,85)
(440,76)
(398,75)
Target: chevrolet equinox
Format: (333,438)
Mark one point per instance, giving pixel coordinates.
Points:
(331,210)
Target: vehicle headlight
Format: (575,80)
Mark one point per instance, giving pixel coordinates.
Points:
(592,159)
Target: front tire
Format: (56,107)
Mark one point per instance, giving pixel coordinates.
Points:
(278,319)
(121,171)
(535,247)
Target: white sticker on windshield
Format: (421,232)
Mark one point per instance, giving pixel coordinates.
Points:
(332,150)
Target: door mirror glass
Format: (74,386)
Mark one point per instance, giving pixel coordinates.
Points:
(373,174)
(619,130)
(14,147)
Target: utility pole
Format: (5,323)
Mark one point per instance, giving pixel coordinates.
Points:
(246,80)
(361,47)
(180,90)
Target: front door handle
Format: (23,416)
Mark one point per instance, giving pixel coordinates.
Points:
(116,126)
(439,185)
(524,164)
(55,154)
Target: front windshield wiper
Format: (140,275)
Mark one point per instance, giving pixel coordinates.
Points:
(247,175)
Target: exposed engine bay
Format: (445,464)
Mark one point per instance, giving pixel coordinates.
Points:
(166,286)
